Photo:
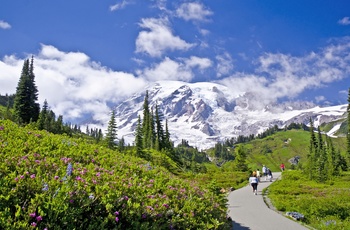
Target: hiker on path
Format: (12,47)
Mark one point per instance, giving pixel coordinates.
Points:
(253,180)
(258,174)
(282,167)
(269,174)
(264,170)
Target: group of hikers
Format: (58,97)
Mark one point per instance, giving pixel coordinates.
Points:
(256,177)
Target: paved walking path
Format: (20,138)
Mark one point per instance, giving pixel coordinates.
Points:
(249,211)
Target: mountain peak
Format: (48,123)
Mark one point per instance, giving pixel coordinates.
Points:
(205,113)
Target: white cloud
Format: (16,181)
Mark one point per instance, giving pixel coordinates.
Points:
(224,64)
(181,70)
(161,4)
(120,5)
(204,32)
(72,84)
(193,11)
(280,75)
(158,38)
(344,21)
(201,63)
(4,25)
(320,99)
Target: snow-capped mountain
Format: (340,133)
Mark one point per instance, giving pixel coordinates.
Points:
(205,113)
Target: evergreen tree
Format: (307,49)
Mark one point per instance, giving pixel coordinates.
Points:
(321,159)
(152,132)
(121,144)
(241,159)
(167,142)
(26,108)
(159,131)
(87,131)
(43,116)
(59,125)
(146,124)
(35,107)
(333,160)
(22,99)
(139,138)
(312,149)
(111,134)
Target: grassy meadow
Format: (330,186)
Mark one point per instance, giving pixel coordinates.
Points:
(52,181)
(324,205)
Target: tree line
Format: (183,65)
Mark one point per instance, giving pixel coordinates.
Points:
(324,161)
(24,109)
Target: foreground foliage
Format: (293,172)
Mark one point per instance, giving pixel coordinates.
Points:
(55,182)
(325,206)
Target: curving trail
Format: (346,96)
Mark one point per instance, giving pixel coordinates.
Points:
(249,211)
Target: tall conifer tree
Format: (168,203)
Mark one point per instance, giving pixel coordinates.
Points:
(146,124)
(139,138)
(159,130)
(111,135)
(35,107)
(312,149)
(25,106)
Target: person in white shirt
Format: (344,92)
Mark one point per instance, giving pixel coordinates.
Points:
(253,180)
(264,170)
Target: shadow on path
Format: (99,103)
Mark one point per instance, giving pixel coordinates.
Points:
(238,226)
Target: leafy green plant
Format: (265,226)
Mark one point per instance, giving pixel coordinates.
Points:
(325,206)
(52,181)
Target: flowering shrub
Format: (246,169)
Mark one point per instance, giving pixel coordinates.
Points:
(54,182)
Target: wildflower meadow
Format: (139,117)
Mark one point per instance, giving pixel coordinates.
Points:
(52,181)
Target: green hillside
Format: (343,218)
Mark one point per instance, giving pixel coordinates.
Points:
(56,182)
(282,146)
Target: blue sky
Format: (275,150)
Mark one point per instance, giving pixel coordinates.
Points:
(89,54)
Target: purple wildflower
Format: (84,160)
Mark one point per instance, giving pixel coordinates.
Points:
(116,213)
(39,218)
(21,177)
(117,219)
(126,198)
(32,176)
(56,177)
(16,179)
(33,224)
(32,214)
(69,169)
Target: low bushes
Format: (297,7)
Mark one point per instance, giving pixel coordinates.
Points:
(325,206)
(54,182)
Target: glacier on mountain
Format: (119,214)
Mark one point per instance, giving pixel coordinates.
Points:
(205,113)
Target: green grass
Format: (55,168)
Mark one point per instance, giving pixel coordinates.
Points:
(282,146)
(325,206)
(57,182)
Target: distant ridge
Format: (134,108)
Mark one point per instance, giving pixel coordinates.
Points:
(205,113)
